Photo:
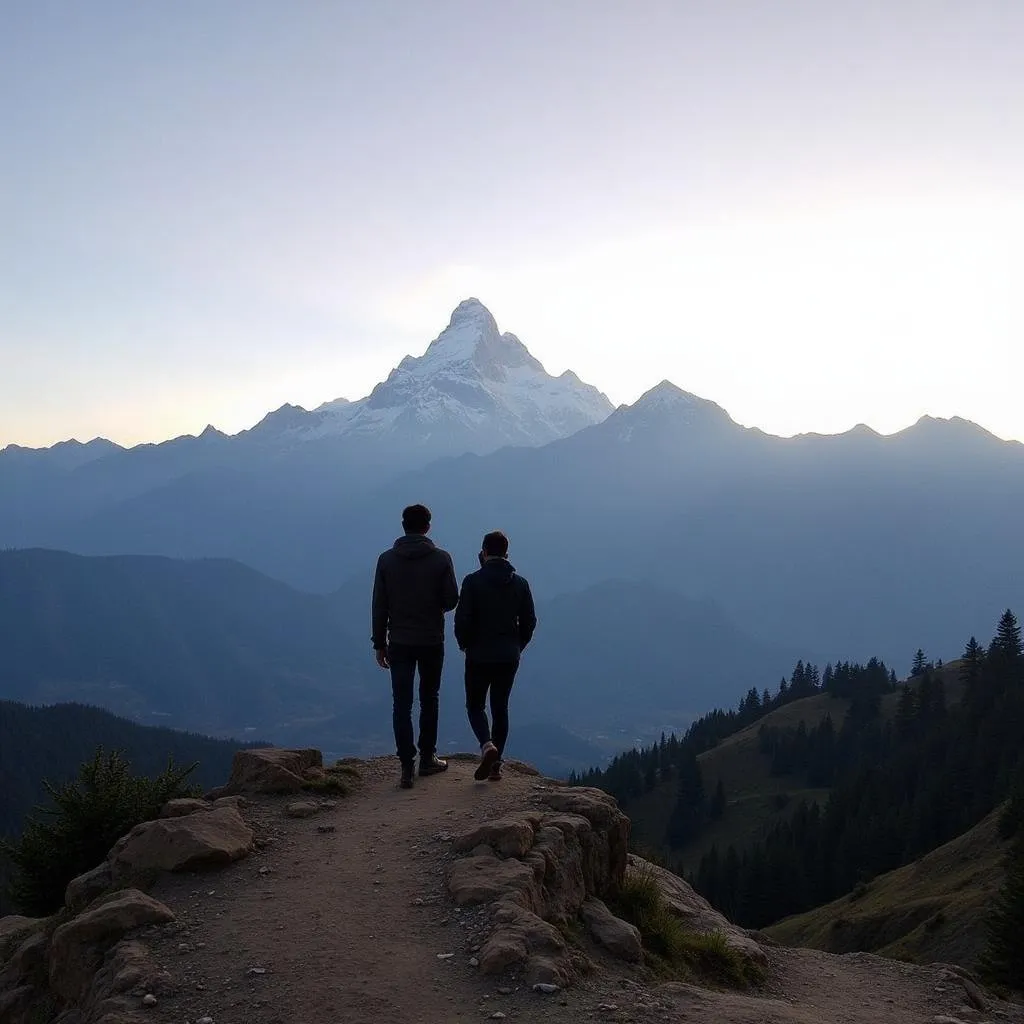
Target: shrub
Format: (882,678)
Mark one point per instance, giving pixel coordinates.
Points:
(675,950)
(89,815)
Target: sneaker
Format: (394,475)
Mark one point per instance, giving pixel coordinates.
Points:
(407,776)
(432,765)
(495,775)
(489,757)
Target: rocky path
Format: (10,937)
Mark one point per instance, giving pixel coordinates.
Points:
(343,917)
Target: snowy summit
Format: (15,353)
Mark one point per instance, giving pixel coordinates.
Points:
(473,390)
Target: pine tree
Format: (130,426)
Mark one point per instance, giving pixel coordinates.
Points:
(1008,640)
(918,666)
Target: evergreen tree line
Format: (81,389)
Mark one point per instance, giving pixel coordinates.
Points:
(639,770)
(900,787)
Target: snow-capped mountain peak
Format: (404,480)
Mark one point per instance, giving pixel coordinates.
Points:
(471,337)
(474,389)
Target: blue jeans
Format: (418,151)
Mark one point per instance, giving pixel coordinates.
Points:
(405,659)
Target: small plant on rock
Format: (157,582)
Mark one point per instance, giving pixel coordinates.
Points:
(88,815)
(674,950)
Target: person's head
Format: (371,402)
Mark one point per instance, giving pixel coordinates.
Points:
(416,519)
(495,545)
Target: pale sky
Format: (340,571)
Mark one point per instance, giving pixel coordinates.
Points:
(810,212)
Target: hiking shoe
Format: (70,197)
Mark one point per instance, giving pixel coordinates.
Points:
(407,776)
(432,765)
(489,757)
(495,775)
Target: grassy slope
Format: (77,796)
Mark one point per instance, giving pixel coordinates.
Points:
(930,910)
(755,800)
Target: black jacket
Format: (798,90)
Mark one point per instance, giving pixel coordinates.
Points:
(412,589)
(495,618)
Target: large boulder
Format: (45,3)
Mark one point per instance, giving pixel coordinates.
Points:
(272,770)
(695,912)
(83,889)
(14,930)
(78,947)
(620,938)
(483,879)
(181,844)
(508,837)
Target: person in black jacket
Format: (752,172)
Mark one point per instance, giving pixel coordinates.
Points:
(413,587)
(494,622)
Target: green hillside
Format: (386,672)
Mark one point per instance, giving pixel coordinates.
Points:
(755,799)
(932,909)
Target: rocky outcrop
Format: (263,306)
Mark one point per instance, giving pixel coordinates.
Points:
(81,891)
(696,913)
(617,936)
(539,867)
(272,770)
(199,840)
(87,964)
(78,947)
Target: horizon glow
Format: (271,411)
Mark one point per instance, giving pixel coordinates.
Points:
(813,218)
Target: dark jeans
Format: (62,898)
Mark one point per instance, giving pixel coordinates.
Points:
(497,678)
(429,658)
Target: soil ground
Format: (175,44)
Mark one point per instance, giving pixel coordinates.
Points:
(343,917)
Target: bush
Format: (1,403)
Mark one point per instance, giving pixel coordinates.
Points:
(88,816)
(674,950)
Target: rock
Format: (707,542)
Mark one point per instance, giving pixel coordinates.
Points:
(14,930)
(696,913)
(325,830)
(149,999)
(301,809)
(217,837)
(545,988)
(474,880)
(205,1020)
(17,1003)
(28,963)
(620,938)
(974,995)
(271,770)
(81,891)
(185,805)
(608,822)
(77,947)
(508,837)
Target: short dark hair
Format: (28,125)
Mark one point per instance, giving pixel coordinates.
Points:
(495,544)
(416,519)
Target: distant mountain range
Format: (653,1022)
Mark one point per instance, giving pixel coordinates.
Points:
(214,647)
(845,546)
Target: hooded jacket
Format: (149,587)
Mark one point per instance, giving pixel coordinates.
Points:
(413,587)
(495,619)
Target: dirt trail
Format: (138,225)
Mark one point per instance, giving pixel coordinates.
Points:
(349,925)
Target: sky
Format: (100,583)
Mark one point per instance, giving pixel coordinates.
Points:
(811,213)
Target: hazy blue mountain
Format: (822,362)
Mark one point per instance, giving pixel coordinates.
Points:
(215,647)
(474,389)
(849,545)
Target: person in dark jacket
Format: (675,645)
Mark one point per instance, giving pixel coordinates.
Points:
(413,587)
(494,622)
